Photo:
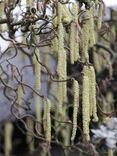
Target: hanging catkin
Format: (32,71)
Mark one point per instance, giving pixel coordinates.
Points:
(8,138)
(100,15)
(75,108)
(92,94)
(84,38)
(64,84)
(86,71)
(92,29)
(37,86)
(61,66)
(59,12)
(60,69)
(85,107)
(74,46)
(54,41)
(47,119)
(72,38)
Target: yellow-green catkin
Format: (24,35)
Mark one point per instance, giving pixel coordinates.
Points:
(61,52)
(8,138)
(29,136)
(60,69)
(74,45)
(85,108)
(84,38)
(90,73)
(47,119)
(72,40)
(92,29)
(37,85)
(54,41)
(19,97)
(92,94)
(100,15)
(59,12)
(110,152)
(61,65)
(75,108)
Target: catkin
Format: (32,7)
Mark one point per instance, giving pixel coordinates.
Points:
(37,86)
(100,15)
(61,66)
(72,40)
(75,108)
(85,107)
(37,70)
(84,38)
(37,67)
(47,119)
(54,41)
(60,69)
(92,29)
(74,47)
(59,12)
(61,52)
(93,107)
(8,138)
(86,71)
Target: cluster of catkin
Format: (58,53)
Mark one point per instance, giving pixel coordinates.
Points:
(87,39)
(89,108)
